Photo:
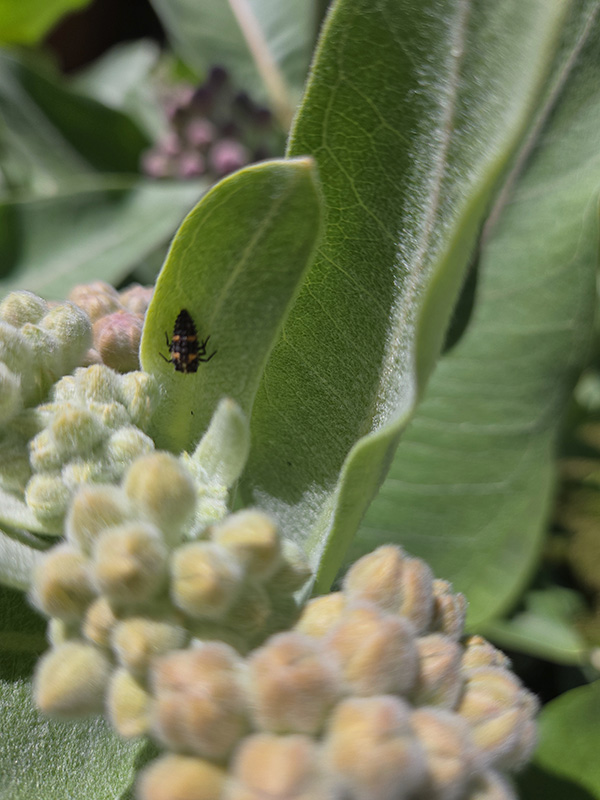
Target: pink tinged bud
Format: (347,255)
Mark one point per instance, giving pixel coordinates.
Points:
(128,705)
(200,706)
(450,610)
(491,786)
(377,652)
(440,680)
(393,582)
(71,679)
(176,777)
(321,614)
(372,751)
(292,684)
(480,653)
(190,164)
(253,538)
(97,299)
(61,584)
(117,340)
(451,756)
(277,768)
(226,156)
(205,580)
(157,164)
(200,133)
(130,563)
(136,298)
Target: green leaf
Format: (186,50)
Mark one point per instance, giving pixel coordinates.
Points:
(207,33)
(49,133)
(412,112)
(472,482)
(569,736)
(27,21)
(546,628)
(48,245)
(48,760)
(235,265)
(22,635)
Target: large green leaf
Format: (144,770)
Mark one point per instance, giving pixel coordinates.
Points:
(49,133)
(235,266)
(27,21)
(569,737)
(206,33)
(47,760)
(412,112)
(49,245)
(472,481)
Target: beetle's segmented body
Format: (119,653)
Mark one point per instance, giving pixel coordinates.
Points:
(185,350)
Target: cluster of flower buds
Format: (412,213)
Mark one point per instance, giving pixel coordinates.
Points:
(214,130)
(117,321)
(367,694)
(93,428)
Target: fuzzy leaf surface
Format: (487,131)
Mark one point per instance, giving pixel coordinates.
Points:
(471,485)
(412,112)
(235,266)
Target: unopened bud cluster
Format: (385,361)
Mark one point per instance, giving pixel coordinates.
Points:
(370,695)
(214,131)
(117,321)
(94,427)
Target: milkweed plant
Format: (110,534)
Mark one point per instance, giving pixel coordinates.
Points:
(280,510)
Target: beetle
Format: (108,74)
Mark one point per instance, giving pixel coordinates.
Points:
(185,351)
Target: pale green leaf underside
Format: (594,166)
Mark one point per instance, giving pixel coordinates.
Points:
(47,760)
(86,234)
(412,112)
(235,266)
(471,484)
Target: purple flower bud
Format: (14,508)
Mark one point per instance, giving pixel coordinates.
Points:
(228,155)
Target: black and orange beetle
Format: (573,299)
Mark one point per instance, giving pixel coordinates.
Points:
(186,352)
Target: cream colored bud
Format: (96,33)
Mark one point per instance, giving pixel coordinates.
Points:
(205,579)
(130,563)
(139,394)
(395,583)
(136,298)
(81,470)
(126,444)
(254,539)
(138,640)
(15,351)
(17,308)
(96,299)
(71,326)
(440,680)
(293,571)
(497,738)
(112,415)
(76,431)
(65,391)
(97,383)
(372,750)
(175,777)
(117,340)
(277,768)
(59,631)
(128,704)
(449,610)
(377,651)
(491,786)
(321,614)
(99,622)
(61,584)
(479,652)
(163,490)
(71,679)
(200,705)
(48,498)
(451,757)
(43,452)
(93,509)
(292,684)
(491,690)
(11,397)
